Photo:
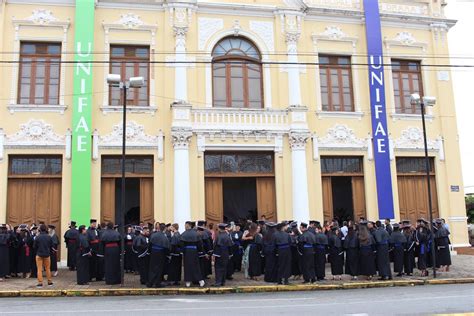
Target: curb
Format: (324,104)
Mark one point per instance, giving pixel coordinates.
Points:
(229,290)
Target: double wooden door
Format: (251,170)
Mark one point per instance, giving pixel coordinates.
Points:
(358,197)
(108,198)
(413,197)
(266,198)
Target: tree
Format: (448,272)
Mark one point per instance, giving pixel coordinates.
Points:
(470,208)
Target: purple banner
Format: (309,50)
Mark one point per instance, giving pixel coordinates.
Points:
(378,109)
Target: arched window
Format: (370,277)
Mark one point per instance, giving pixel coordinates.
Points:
(237,74)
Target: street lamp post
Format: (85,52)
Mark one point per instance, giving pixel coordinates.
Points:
(423,102)
(114,80)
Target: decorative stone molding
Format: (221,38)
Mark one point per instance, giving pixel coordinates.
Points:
(334,4)
(181,138)
(341,137)
(135,138)
(42,17)
(180,19)
(415,9)
(130,20)
(34,134)
(439,31)
(206,28)
(405,39)
(298,140)
(411,139)
(334,33)
(291,22)
(264,29)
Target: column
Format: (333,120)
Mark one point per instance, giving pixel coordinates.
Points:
(299,179)
(181,185)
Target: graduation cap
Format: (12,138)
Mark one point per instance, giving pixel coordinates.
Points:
(422,220)
(168,225)
(271,224)
(138,228)
(363,223)
(396,226)
(438,221)
(293,224)
(73,223)
(222,226)
(261,222)
(93,221)
(201,223)
(313,222)
(23,227)
(52,226)
(304,225)
(200,228)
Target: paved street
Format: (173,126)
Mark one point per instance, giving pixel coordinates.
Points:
(437,299)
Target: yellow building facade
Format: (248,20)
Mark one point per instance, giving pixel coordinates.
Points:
(250,108)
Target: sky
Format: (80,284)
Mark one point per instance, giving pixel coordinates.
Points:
(461,44)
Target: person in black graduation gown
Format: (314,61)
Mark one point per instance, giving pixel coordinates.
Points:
(306,243)
(54,250)
(295,258)
(282,242)
(191,244)
(366,251)
(204,255)
(222,252)
(70,238)
(13,253)
(110,239)
(159,247)
(336,253)
(5,238)
(409,249)
(253,252)
(397,246)
(237,249)
(34,233)
(128,241)
(269,253)
(175,266)
(382,238)
(351,246)
(443,255)
(320,248)
(94,240)
(83,254)
(140,247)
(25,249)
(422,239)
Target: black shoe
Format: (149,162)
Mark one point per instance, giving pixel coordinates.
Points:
(286,282)
(216,285)
(176,283)
(229,278)
(159,286)
(399,274)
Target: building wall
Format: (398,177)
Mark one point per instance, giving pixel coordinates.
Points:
(324,27)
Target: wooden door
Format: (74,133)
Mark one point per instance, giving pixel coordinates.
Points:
(413,197)
(214,200)
(107,200)
(327,198)
(146,200)
(266,198)
(358,198)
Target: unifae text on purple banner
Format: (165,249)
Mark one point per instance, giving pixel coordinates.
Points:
(378,110)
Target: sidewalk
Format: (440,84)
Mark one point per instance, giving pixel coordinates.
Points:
(462,271)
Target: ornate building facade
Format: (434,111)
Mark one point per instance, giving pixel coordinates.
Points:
(249,109)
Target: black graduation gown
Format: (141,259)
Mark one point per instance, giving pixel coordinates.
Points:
(94,240)
(34,268)
(397,246)
(204,258)
(422,238)
(54,253)
(306,243)
(382,257)
(320,248)
(14,244)
(140,248)
(4,254)
(295,264)
(255,256)
(82,259)
(283,244)
(128,265)
(270,255)
(222,252)
(70,238)
(25,252)
(191,244)
(336,254)
(351,246)
(367,257)
(111,241)
(175,266)
(443,255)
(159,247)
(237,250)
(409,252)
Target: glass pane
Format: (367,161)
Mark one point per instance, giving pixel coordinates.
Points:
(212,163)
(413,165)
(118,51)
(54,49)
(343,61)
(413,66)
(323,60)
(28,48)
(395,65)
(256,163)
(229,163)
(137,165)
(341,165)
(141,52)
(237,86)
(35,166)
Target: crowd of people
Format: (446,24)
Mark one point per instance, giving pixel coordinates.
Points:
(161,255)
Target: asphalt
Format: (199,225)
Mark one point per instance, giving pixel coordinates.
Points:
(429,299)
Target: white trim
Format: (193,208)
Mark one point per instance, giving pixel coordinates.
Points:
(457,219)
(342,115)
(37,108)
(130,109)
(410,117)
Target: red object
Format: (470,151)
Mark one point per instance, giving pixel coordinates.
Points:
(111,245)
(95,241)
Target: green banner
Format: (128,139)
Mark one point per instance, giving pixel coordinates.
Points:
(82,112)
